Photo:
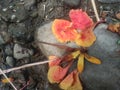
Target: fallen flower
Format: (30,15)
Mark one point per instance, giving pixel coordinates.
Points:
(79,30)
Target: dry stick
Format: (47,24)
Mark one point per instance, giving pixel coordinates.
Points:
(95,10)
(8,79)
(24,66)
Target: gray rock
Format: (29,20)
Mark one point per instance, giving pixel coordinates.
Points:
(72,3)
(8,50)
(4,37)
(45,34)
(29,4)
(20,52)
(109,1)
(10,61)
(107,75)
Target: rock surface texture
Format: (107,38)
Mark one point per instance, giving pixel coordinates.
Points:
(107,75)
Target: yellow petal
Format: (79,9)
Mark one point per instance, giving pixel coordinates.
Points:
(71,56)
(75,54)
(80,64)
(92,59)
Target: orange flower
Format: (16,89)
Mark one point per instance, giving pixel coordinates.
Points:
(63,31)
(80,19)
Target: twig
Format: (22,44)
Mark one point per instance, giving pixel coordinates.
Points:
(8,79)
(27,65)
(95,10)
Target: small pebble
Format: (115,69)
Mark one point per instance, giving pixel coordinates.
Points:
(21,52)
(118,15)
(8,50)
(10,6)
(10,61)
(4,9)
(13,17)
(4,37)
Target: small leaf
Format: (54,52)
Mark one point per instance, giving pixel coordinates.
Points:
(56,62)
(57,73)
(6,81)
(67,82)
(92,59)
(80,64)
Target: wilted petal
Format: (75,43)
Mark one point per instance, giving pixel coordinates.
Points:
(80,64)
(63,31)
(80,19)
(86,39)
(56,60)
(92,59)
(77,84)
(57,73)
(67,82)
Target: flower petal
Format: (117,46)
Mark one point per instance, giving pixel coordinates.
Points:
(80,64)
(92,59)
(67,82)
(63,31)
(56,62)
(77,84)
(57,73)
(80,19)
(86,39)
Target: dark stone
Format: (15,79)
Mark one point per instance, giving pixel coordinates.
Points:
(72,3)
(105,76)
(109,1)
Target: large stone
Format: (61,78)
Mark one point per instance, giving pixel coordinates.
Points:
(105,76)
